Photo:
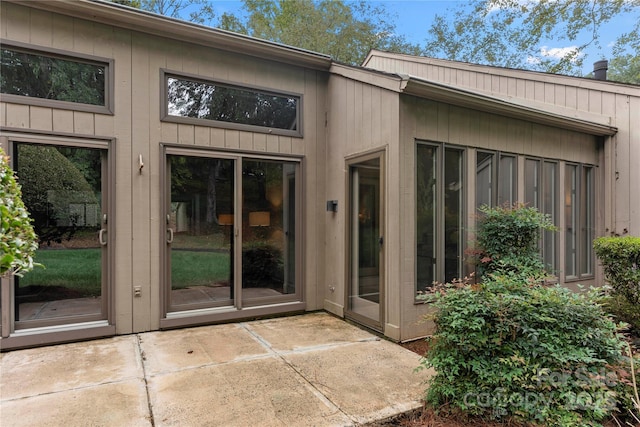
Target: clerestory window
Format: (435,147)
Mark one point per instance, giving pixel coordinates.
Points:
(55,79)
(190,99)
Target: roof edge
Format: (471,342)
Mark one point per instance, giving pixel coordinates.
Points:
(539,76)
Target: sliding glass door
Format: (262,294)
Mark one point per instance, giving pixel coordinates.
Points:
(65,191)
(230,231)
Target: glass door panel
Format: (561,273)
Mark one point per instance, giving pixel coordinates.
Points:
(365,240)
(268,229)
(200,219)
(64,189)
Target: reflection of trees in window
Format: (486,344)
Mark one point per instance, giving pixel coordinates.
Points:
(426,162)
(210,178)
(439,214)
(49,77)
(187,98)
(59,196)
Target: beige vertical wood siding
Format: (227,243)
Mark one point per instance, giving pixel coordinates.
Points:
(137,129)
(363,118)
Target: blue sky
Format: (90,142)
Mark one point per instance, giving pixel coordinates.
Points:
(414,17)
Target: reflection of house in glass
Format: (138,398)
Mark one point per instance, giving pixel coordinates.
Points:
(249,147)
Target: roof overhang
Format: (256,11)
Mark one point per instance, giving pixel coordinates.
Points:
(481,102)
(138,20)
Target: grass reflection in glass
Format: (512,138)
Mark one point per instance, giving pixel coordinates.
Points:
(77,270)
(199,268)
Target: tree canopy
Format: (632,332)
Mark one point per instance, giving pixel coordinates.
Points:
(511,33)
(344,30)
(507,33)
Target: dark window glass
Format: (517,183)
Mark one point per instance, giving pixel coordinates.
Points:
(587,221)
(571,222)
(532,183)
(426,211)
(551,207)
(212,101)
(439,214)
(507,180)
(38,75)
(453,214)
(484,179)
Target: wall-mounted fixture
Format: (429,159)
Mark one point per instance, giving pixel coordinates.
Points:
(332,206)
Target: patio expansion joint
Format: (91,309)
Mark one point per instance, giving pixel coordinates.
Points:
(65,390)
(326,400)
(140,353)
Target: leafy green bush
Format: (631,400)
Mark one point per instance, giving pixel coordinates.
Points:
(262,265)
(507,239)
(620,257)
(508,348)
(511,347)
(625,311)
(18,241)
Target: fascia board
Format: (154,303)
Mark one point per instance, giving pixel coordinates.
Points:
(388,81)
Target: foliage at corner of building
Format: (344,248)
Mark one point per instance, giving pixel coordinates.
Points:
(507,239)
(620,258)
(512,348)
(18,241)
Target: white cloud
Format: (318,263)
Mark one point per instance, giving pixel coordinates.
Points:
(558,52)
(533,60)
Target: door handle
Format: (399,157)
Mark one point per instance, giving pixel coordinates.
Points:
(381,240)
(170,238)
(101,237)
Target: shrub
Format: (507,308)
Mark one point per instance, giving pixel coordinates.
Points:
(620,257)
(508,348)
(507,239)
(17,239)
(262,265)
(624,311)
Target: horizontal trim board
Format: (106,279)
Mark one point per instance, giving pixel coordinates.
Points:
(220,316)
(40,337)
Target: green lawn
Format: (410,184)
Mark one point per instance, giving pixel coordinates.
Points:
(79,269)
(190,268)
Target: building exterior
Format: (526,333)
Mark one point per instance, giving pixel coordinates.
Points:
(180,175)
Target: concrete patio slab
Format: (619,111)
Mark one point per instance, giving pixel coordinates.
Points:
(265,392)
(367,380)
(114,404)
(306,370)
(195,347)
(311,330)
(46,370)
